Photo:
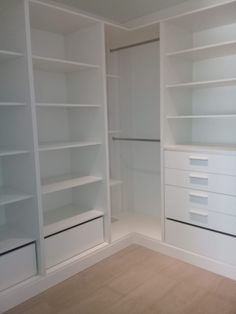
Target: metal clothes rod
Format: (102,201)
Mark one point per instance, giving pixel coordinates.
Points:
(129,139)
(135,45)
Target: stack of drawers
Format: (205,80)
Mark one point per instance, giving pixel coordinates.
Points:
(200,203)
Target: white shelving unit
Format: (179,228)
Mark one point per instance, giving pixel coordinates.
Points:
(199,122)
(19,213)
(199,77)
(69,84)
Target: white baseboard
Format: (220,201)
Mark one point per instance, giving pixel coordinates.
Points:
(204,262)
(30,288)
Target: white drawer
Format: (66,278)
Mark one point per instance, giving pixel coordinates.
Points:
(17,266)
(66,244)
(209,210)
(201,181)
(221,164)
(202,242)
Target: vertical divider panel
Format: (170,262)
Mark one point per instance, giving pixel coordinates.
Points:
(107,218)
(31,97)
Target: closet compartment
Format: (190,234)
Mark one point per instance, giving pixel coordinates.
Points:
(71,207)
(209,210)
(199,77)
(64,245)
(57,34)
(202,242)
(17,266)
(202,33)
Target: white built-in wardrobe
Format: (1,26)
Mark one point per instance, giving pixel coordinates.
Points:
(111,136)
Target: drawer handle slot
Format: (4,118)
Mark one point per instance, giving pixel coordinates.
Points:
(199,195)
(198,213)
(198,176)
(198,179)
(200,161)
(198,158)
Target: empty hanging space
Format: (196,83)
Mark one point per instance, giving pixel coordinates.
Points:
(200,77)
(134,130)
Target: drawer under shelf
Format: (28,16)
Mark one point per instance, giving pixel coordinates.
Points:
(209,210)
(73,241)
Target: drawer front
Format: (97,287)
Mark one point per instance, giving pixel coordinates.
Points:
(202,242)
(221,164)
(69,243)
(201,181)
(209,210)
(17,266)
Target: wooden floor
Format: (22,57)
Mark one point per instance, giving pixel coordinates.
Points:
(137,281)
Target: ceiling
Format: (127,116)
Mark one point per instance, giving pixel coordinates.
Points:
(121,10)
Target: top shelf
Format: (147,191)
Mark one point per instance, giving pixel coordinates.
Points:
(59,65)
(206,18)
(51,18)
(206,52)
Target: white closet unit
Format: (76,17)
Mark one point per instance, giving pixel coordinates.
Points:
(134,119)
(199,118)
(69,82)
(20,235)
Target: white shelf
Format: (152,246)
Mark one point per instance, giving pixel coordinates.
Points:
(68,216)
(12,104)
(61,183)
(212,83)
(200,147)
(4,151)
(11,239)
(59,65)
(114,131)
(115,182)
(113,76)
(9,196)
(53,105)
(209,116)
(7,55)
(206,52)
(65,145)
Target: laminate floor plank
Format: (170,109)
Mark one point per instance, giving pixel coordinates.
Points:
(137,280)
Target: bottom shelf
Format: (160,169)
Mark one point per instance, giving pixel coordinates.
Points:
(66,217)
(11,239)
(128,222)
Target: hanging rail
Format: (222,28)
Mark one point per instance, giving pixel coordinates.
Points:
(131,139)
(135,45)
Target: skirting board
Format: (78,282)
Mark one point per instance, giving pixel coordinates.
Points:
(30,288)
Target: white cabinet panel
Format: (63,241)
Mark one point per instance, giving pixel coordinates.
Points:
(209,210)
(17,266)
(221,164)
(201,181)
(200,241)
(69,243)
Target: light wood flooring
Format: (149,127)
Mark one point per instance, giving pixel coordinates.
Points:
(137,281)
